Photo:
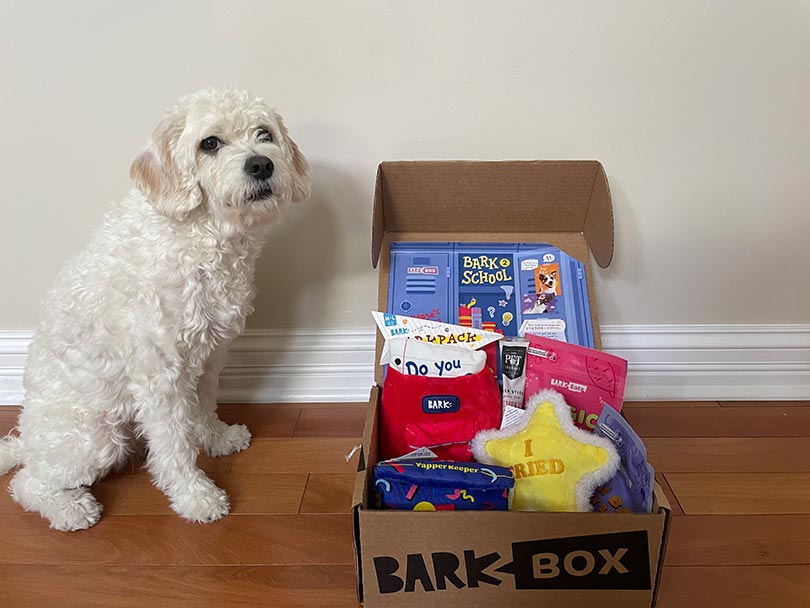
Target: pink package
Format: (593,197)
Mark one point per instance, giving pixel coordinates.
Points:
(588,379)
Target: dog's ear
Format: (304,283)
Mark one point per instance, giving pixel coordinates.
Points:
(165,173)
(301,184)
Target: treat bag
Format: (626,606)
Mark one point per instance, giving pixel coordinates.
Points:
(443,414)
(588,379)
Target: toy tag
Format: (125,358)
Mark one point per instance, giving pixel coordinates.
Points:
(394,326)
(414,357)
(512,415)
(417,454)
(355,449)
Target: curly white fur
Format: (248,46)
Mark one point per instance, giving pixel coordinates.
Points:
(135,331)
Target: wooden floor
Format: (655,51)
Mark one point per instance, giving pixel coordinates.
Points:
(737,474)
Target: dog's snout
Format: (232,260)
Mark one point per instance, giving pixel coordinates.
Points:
(259,167)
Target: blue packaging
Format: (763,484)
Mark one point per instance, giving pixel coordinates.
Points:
(493,286)
(443,485)
(631,490)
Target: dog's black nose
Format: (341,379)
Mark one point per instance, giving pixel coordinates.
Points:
(259,167)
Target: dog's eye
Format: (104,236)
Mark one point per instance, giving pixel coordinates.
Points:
(264,135)
(210,144)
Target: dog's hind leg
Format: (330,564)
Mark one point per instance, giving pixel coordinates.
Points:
(217,437)
(68,509)
(10,453)
(66,449)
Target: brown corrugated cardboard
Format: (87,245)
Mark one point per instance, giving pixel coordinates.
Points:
(465,197)
(498,558)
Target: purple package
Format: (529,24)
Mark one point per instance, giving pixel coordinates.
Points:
(630,490)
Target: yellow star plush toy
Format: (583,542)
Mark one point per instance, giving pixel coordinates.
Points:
(556,465)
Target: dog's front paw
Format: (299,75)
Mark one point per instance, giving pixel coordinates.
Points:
(234,438)
(72,510)
(203,506)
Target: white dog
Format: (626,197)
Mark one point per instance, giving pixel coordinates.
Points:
(135,331)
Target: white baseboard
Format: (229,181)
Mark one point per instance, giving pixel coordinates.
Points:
(13,351)
(713,362)
(667,362)
(282,366)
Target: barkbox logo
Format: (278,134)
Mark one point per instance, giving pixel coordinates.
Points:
(431,270)
(600,561)
(440,404)
(571,386)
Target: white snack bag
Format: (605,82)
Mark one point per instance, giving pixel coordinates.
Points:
(394,326)
(419,358)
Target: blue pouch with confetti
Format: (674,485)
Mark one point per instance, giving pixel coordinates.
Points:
(442,485)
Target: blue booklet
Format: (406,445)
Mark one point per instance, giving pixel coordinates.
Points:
(509,288)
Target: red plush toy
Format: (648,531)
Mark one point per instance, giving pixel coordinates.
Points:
(443,414)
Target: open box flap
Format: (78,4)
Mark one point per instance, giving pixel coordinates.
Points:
(496,197)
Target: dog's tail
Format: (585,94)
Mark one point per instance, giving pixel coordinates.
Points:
(10,453)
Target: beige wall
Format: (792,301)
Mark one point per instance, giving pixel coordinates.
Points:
(698,110)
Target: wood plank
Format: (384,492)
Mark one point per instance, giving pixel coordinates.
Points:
(739,540)
(765,403)
(304,455)
(741,493)
(673,501)
(262,420)
(298,455)
(178,586)
(663,404)
(342,420)
(268,477)
(160,540)
(8,418)
(328,493)
(764,421)
(298,405)
(729,454)
(740,587)
(252,490)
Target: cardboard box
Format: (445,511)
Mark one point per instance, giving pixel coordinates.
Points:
(478,558)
